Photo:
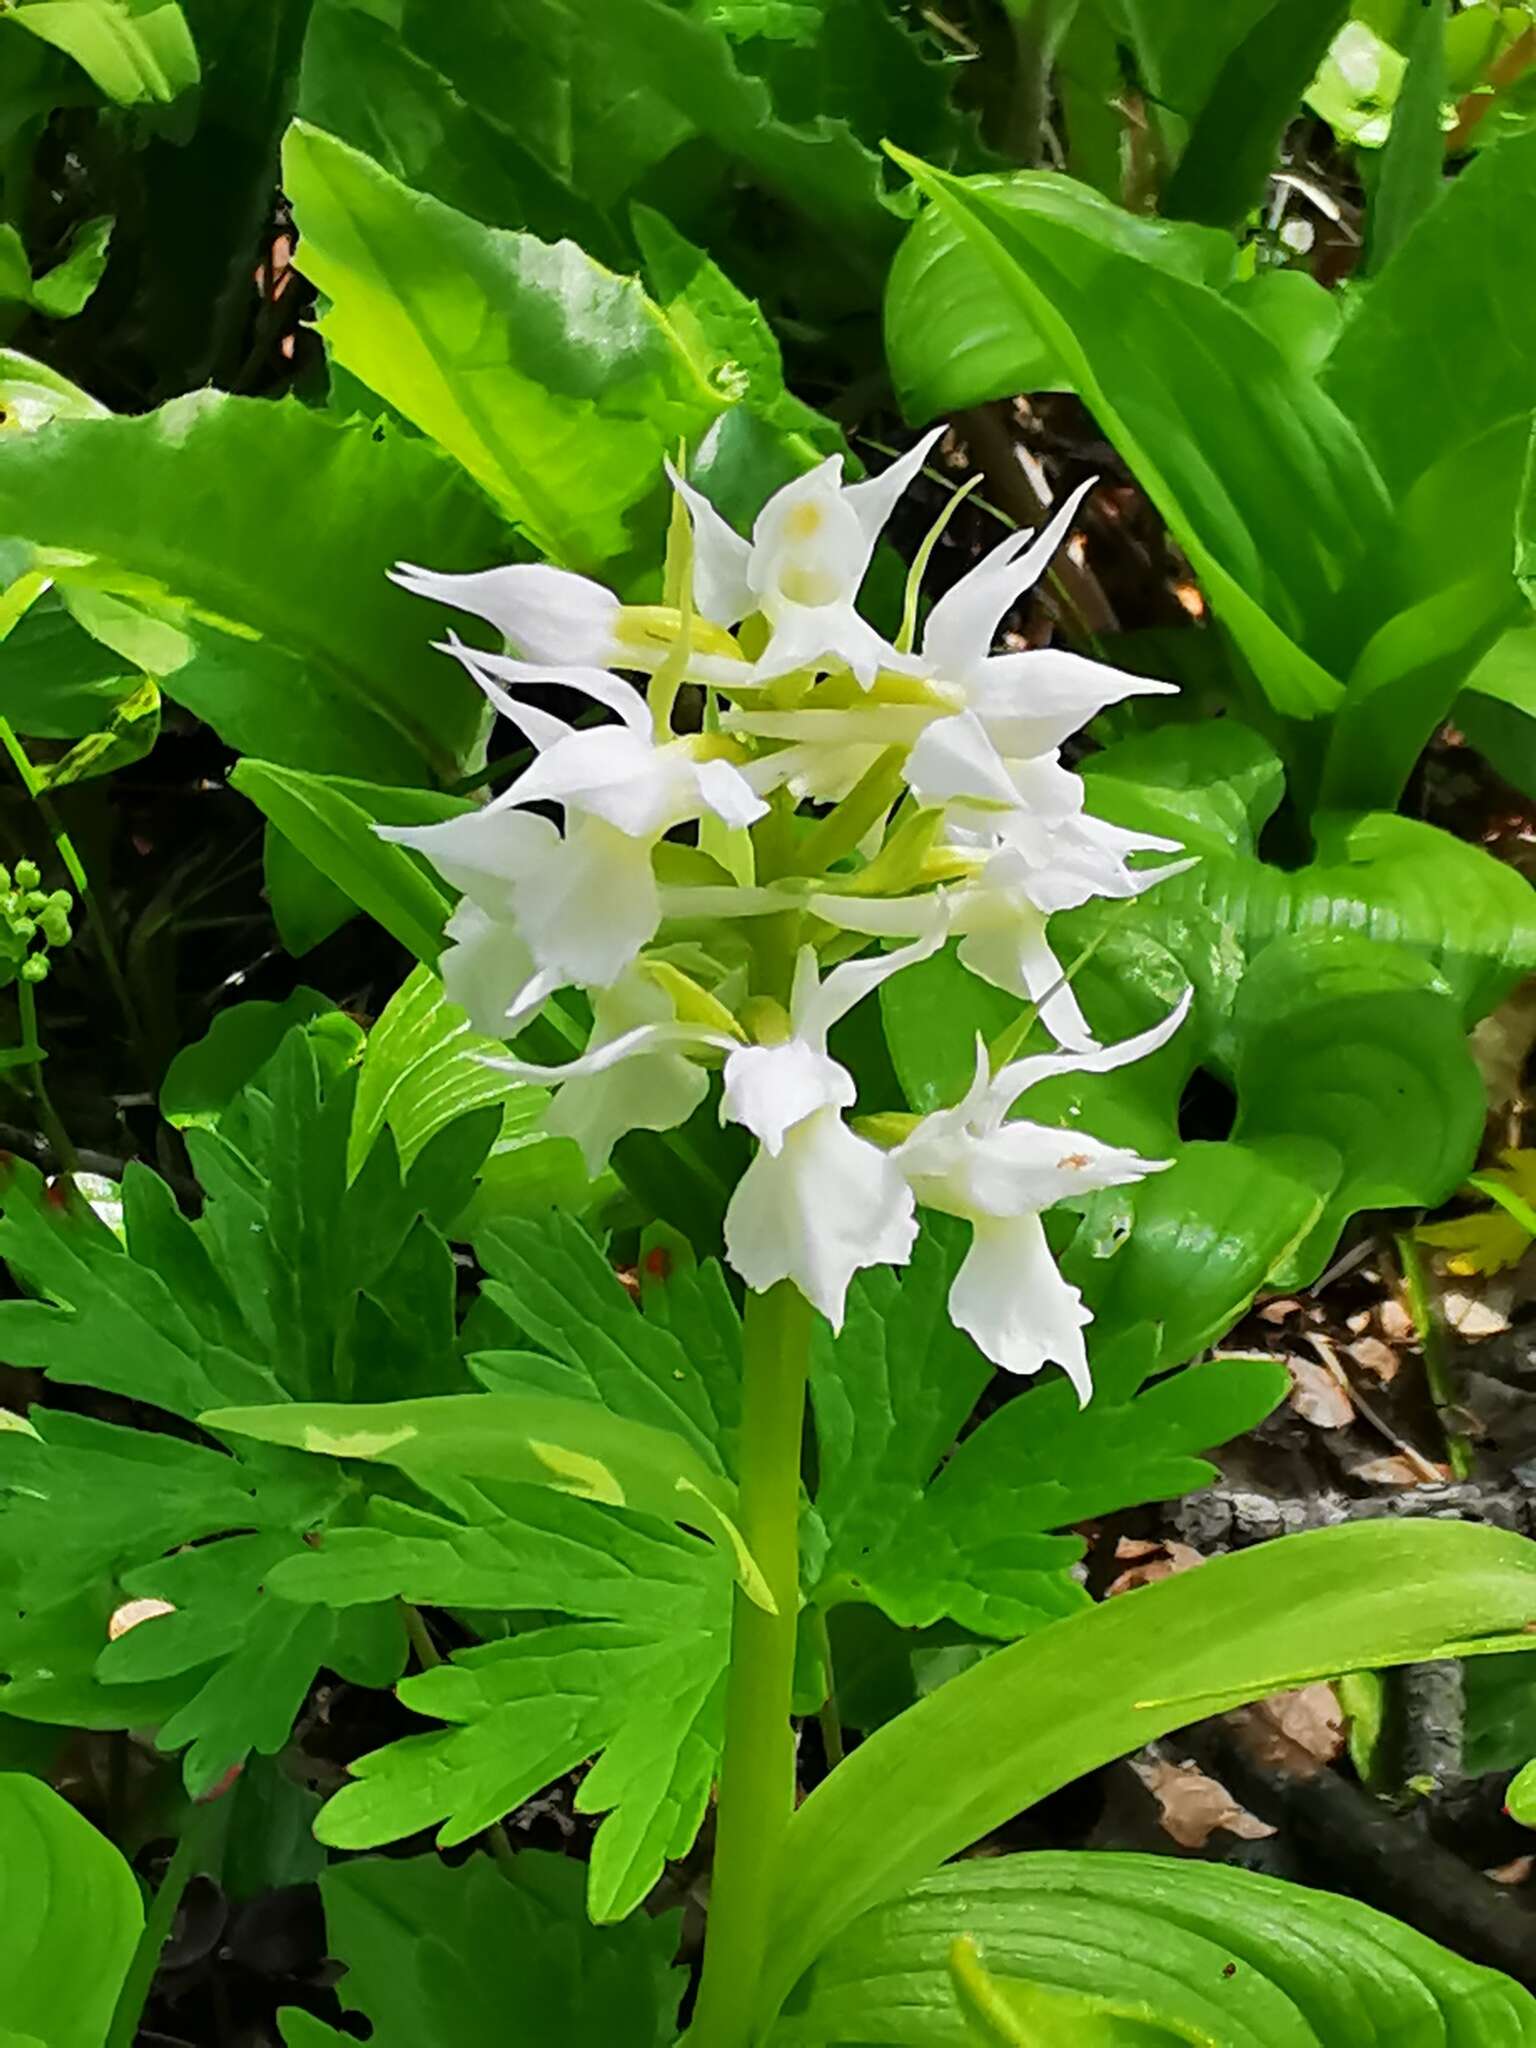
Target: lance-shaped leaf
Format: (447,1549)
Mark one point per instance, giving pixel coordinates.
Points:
(137,51)
(1039,1714)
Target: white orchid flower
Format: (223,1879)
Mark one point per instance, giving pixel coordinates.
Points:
(810,549)
(818,1202)
(583,903)
(636,1074)
(1000,1177)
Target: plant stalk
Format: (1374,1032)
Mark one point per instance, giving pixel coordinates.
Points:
(198,1848)
(757,1773)
(53,1124)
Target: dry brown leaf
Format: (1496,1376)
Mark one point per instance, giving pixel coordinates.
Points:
(1308,1718)
(1484,1314)
(1379,1359)
(1278,1311)
(132,1612)
(1397,1472)
(1516,1871)
(1146,1563)
(1191,1806)
(1394,1321)
(1317,1396)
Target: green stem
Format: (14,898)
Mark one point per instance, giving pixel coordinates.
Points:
(757,1773)
(828,1719)
(1437,1371)
(841,830)
(199,1844)
(52,1122)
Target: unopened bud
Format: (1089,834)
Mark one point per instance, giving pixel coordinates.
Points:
(35,967)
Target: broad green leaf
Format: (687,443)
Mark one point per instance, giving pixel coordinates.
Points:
(205,1077)
(136,51)
(435,104)
(482,1957)
(1098,1685)
(926,1529)
(1412,173)
(1155,1951)
(556,384)
(50,1657)
(1432,359)
(1235,142)
(1212,787)
(1358,1046)
(31,394)
(330,821)
(954,340)
(1224,433)
(1520,1800)
(297,646)
(70,1916)
(638,1677)
(423,1067)
(56,680)
(1009,2012)
(132,729)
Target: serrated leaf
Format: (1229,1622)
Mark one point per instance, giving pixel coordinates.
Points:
(639,1677)
(67,1897)
(481,1957)
(1149,1950)
(925,1531)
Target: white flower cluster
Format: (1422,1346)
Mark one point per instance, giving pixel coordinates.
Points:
(705,910)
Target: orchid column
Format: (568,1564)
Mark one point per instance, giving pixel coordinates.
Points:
(942,813)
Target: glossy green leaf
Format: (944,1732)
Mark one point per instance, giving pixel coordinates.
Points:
(557,385)
(206,1076)
(1145,1951)
(1520,1799)
(1033,1717)
(31,394)
(330,821)
(1235,143)
(1412,173)
(487,1957)
(1497,709)
(136,51)
(1430,361)
(71,1917)
(296,646)
(1223,432)
(64,290)
(424,1067)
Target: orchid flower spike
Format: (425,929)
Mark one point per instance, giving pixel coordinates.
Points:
(1000,1177)
(549,616)
(582,904)
(810,549)
(818,1202)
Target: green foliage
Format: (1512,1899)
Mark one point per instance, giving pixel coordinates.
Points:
(479,1957)
(71,1916)
(1141,1952)
(1034,1717)
(133,50)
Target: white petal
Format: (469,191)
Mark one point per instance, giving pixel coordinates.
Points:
(1031,702)
(595,683)
(874,500)
(1010,1299)
(547,615)
(954,759)
(636,1044)
(542,728)
(654,1091)
(485,968)
(1008,948)
(1013,1080)
(726,791)
(815,636)
(720,558)
(826,1205)
(611,773)
(592,906)
(487,853)
(771,1088)
(818,1009)
(960,628)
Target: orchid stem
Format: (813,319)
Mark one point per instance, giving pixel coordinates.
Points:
(860,811)
(202,1835)
(757,1773)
